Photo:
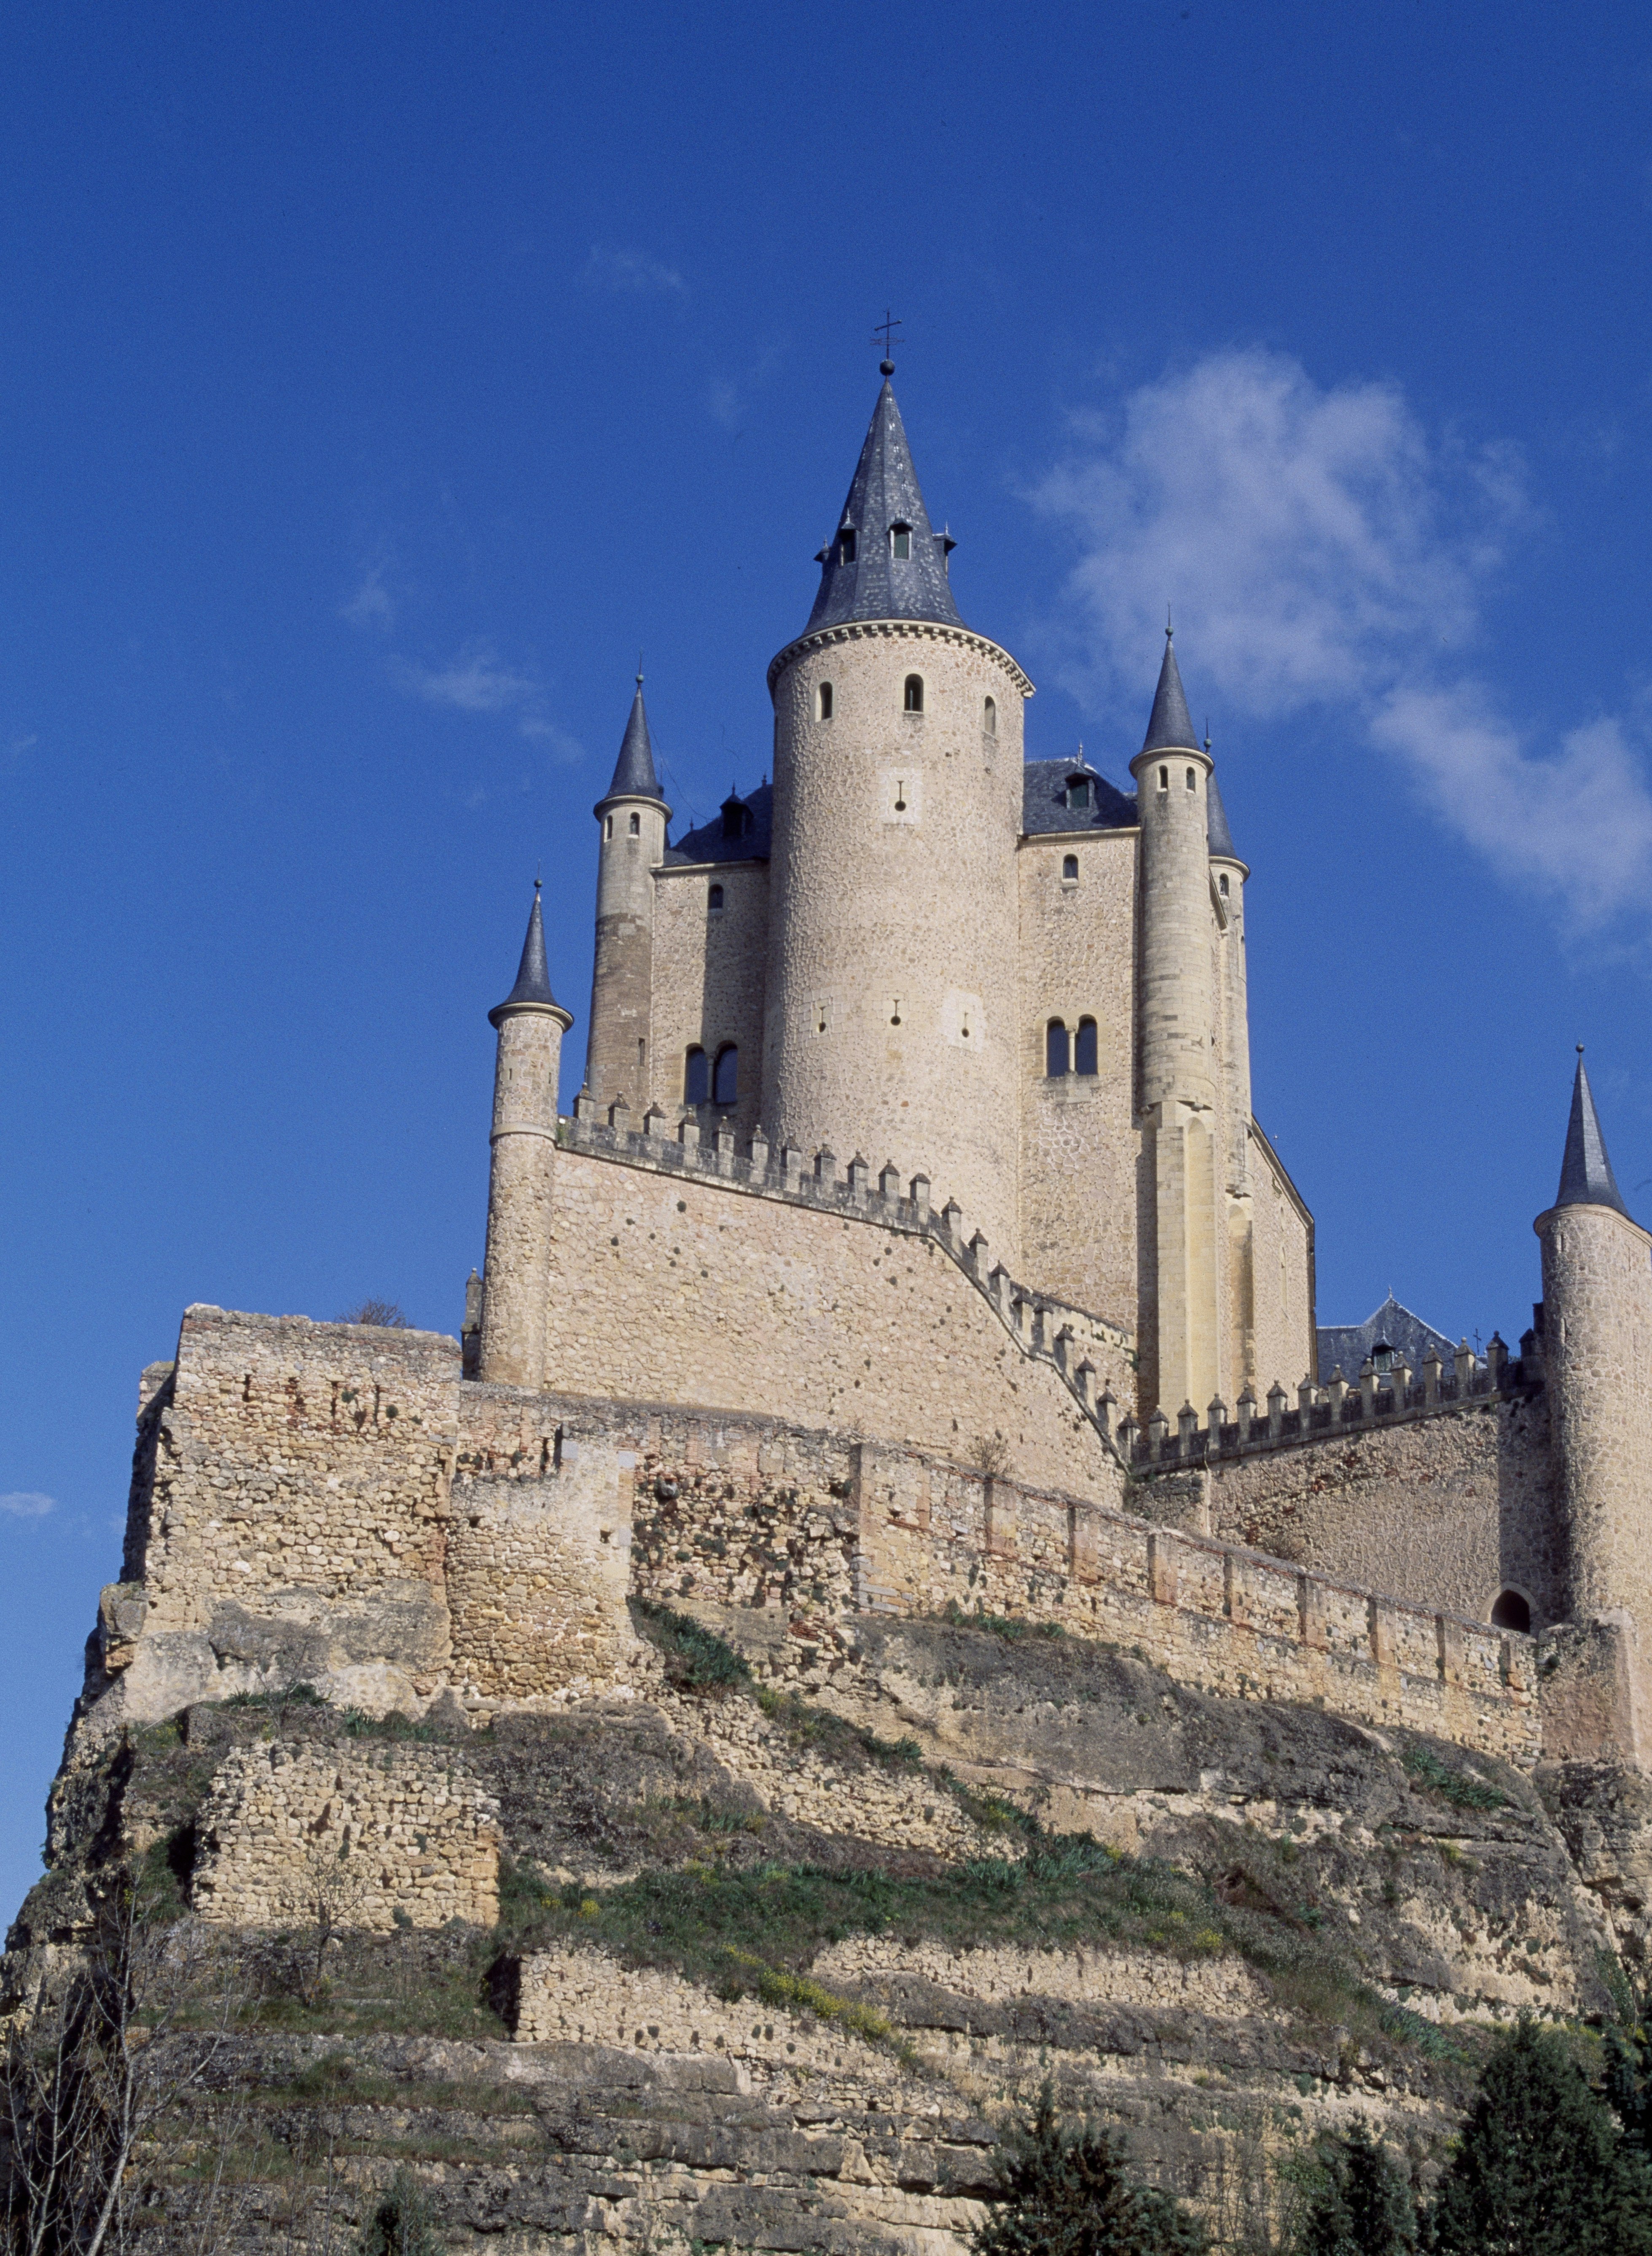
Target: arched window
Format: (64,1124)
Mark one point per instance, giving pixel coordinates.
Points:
(1084,1048)
(715,899)
(901,542)
(824,700)
(914,693)
(1222,882)
(1512,1611)
(1192,780)
(845,546)
(696,1077)
(636,826)
(1055,1049)
(990,716)
(1069,869)
(725,1089)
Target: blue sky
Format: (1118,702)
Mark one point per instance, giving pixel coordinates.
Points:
(378,380)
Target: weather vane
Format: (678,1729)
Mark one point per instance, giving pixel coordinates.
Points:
(885,330)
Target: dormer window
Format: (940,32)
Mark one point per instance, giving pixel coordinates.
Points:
(901,542)
(1078,794)
(845,546)
(737,818)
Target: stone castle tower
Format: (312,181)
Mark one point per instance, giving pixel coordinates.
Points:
(921,950)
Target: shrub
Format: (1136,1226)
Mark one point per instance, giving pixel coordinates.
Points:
(403,2224)
(1067,2191)
(1542,2168)
(1364,2206)
(694,1655)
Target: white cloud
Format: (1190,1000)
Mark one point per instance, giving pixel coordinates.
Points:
(480,681)
(634,271)
(27,1503)
(555,743)
(1320,549)
(371,603)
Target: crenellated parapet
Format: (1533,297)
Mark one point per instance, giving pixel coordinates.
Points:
(1375,1399)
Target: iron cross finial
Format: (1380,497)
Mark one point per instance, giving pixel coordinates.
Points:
(886,329)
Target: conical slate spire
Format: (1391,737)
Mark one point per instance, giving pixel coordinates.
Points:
(533,974)
(1169,728)
(863,574)
(1585,1172)
(634,776)
(1217,836)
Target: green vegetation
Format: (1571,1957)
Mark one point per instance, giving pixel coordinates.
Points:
(1363,2205)
(405,2221)
(1069,2191)
(1542,2168)
(1453,1785)
(1010,1627)
(696,1658)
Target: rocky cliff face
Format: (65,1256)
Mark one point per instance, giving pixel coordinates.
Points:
(763,1956)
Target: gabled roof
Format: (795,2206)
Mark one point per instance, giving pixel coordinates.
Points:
(1345,1347)
(634,775)
(533,974)
(1044,800)
(1169,728)
(1585,1172)
(710,842)
(874,583)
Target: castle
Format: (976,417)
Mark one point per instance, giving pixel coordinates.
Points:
(912,1244)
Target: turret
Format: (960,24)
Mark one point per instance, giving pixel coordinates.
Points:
(1177,1067)
(631,817)
(516,1279)
(1228,874)
(1597,1319)
(891,1016)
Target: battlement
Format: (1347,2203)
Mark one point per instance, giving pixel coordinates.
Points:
(1375,1399)
(1046,1330)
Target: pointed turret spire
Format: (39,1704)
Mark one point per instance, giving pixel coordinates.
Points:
(533,974)
(884,562)
(1169,728)
(1585,1172)
(1217,836)
(634,776)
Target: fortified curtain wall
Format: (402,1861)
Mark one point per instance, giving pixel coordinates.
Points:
(323,1501)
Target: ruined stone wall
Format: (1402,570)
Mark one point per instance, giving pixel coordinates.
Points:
(1445,1510)
(1079,1140)
(709,968)
(365,1833)
(667,1285)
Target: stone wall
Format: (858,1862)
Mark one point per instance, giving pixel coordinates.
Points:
(665,1285)
(369,1833)
(1286,1349)
(1079,1140)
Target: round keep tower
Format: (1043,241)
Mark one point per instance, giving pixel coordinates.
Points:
(632,817)
(1597,1327)
(892,996)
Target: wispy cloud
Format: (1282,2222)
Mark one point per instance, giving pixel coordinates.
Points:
(1322,549)
(27,1503)
(480,681)
(370,603)
(635,273)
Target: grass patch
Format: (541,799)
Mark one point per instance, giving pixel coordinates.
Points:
(1453,1785)
(356,1723)
(696,1658)
(1010,1627)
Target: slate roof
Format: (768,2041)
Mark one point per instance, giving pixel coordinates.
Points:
(634,775)
(1346,1346)
(1585,1172)
(1218,837)
(1169,728)
(707,842)
(1043,806)
(884,493)
(533,974)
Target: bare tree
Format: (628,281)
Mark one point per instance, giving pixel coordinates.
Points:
(91,2071)
(377,1312)
(325,1895)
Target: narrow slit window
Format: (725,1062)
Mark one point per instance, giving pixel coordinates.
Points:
(825,701)
(636,826)
(1056,1060)
(726,1079)
(1222,883)
(715,899)
(990,716)
(608,831)
(1164,778)
(901,537)
(914,701)
(696,1077)
(1084,1048)
(1192,780)
(1069,869)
